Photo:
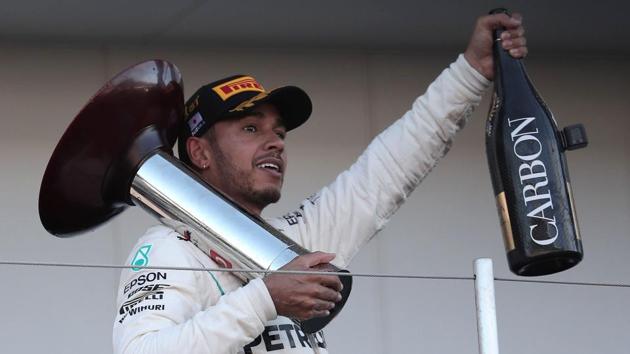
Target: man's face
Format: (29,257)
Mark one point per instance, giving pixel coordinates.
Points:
(247,158)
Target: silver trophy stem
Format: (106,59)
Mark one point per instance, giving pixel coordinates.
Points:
(227,233)
(165,187)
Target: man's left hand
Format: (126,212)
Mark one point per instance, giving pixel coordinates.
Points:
(479,51)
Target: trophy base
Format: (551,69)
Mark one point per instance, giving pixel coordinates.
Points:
(316,324)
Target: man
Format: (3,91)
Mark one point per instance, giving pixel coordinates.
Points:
(234,138)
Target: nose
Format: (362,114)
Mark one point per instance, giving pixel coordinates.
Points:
(274,142)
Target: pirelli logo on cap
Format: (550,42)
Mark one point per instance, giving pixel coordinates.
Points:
(242,84)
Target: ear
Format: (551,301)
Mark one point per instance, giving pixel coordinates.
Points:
(199,152)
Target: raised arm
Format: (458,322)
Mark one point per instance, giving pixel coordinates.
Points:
(347,213)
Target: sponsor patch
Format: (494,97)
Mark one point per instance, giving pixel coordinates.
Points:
(151,293)
(145,278)
(141,259)
(191,106)
(242,84)
(292,217)
(313,198)
(147,288)
(195,123)
(220,261)
(139,309)
(282,337)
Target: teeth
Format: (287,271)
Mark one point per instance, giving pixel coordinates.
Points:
(269,165)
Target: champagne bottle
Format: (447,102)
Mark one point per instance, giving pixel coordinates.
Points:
(529,172)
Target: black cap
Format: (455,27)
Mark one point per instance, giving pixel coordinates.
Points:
(234,96)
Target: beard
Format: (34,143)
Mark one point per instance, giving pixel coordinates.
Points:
(238,184)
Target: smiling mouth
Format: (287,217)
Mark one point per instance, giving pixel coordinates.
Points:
(270,166)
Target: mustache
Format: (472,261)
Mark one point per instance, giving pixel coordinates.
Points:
(274,154)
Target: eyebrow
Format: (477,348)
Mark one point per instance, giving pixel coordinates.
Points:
(254,112)
(279,123)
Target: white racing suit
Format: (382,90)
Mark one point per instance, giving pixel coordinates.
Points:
(212,312)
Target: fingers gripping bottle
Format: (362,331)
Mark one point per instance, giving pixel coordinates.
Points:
(529,172)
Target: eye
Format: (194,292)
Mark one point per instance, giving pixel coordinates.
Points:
(250,128)
(281,134)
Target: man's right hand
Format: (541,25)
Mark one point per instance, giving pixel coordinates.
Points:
(303,297)
(479,51)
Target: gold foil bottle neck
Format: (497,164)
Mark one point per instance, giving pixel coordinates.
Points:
(573,214)
(506,225)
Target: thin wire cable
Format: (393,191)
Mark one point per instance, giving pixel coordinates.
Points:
(343,274)
(233,270)
(615,285)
